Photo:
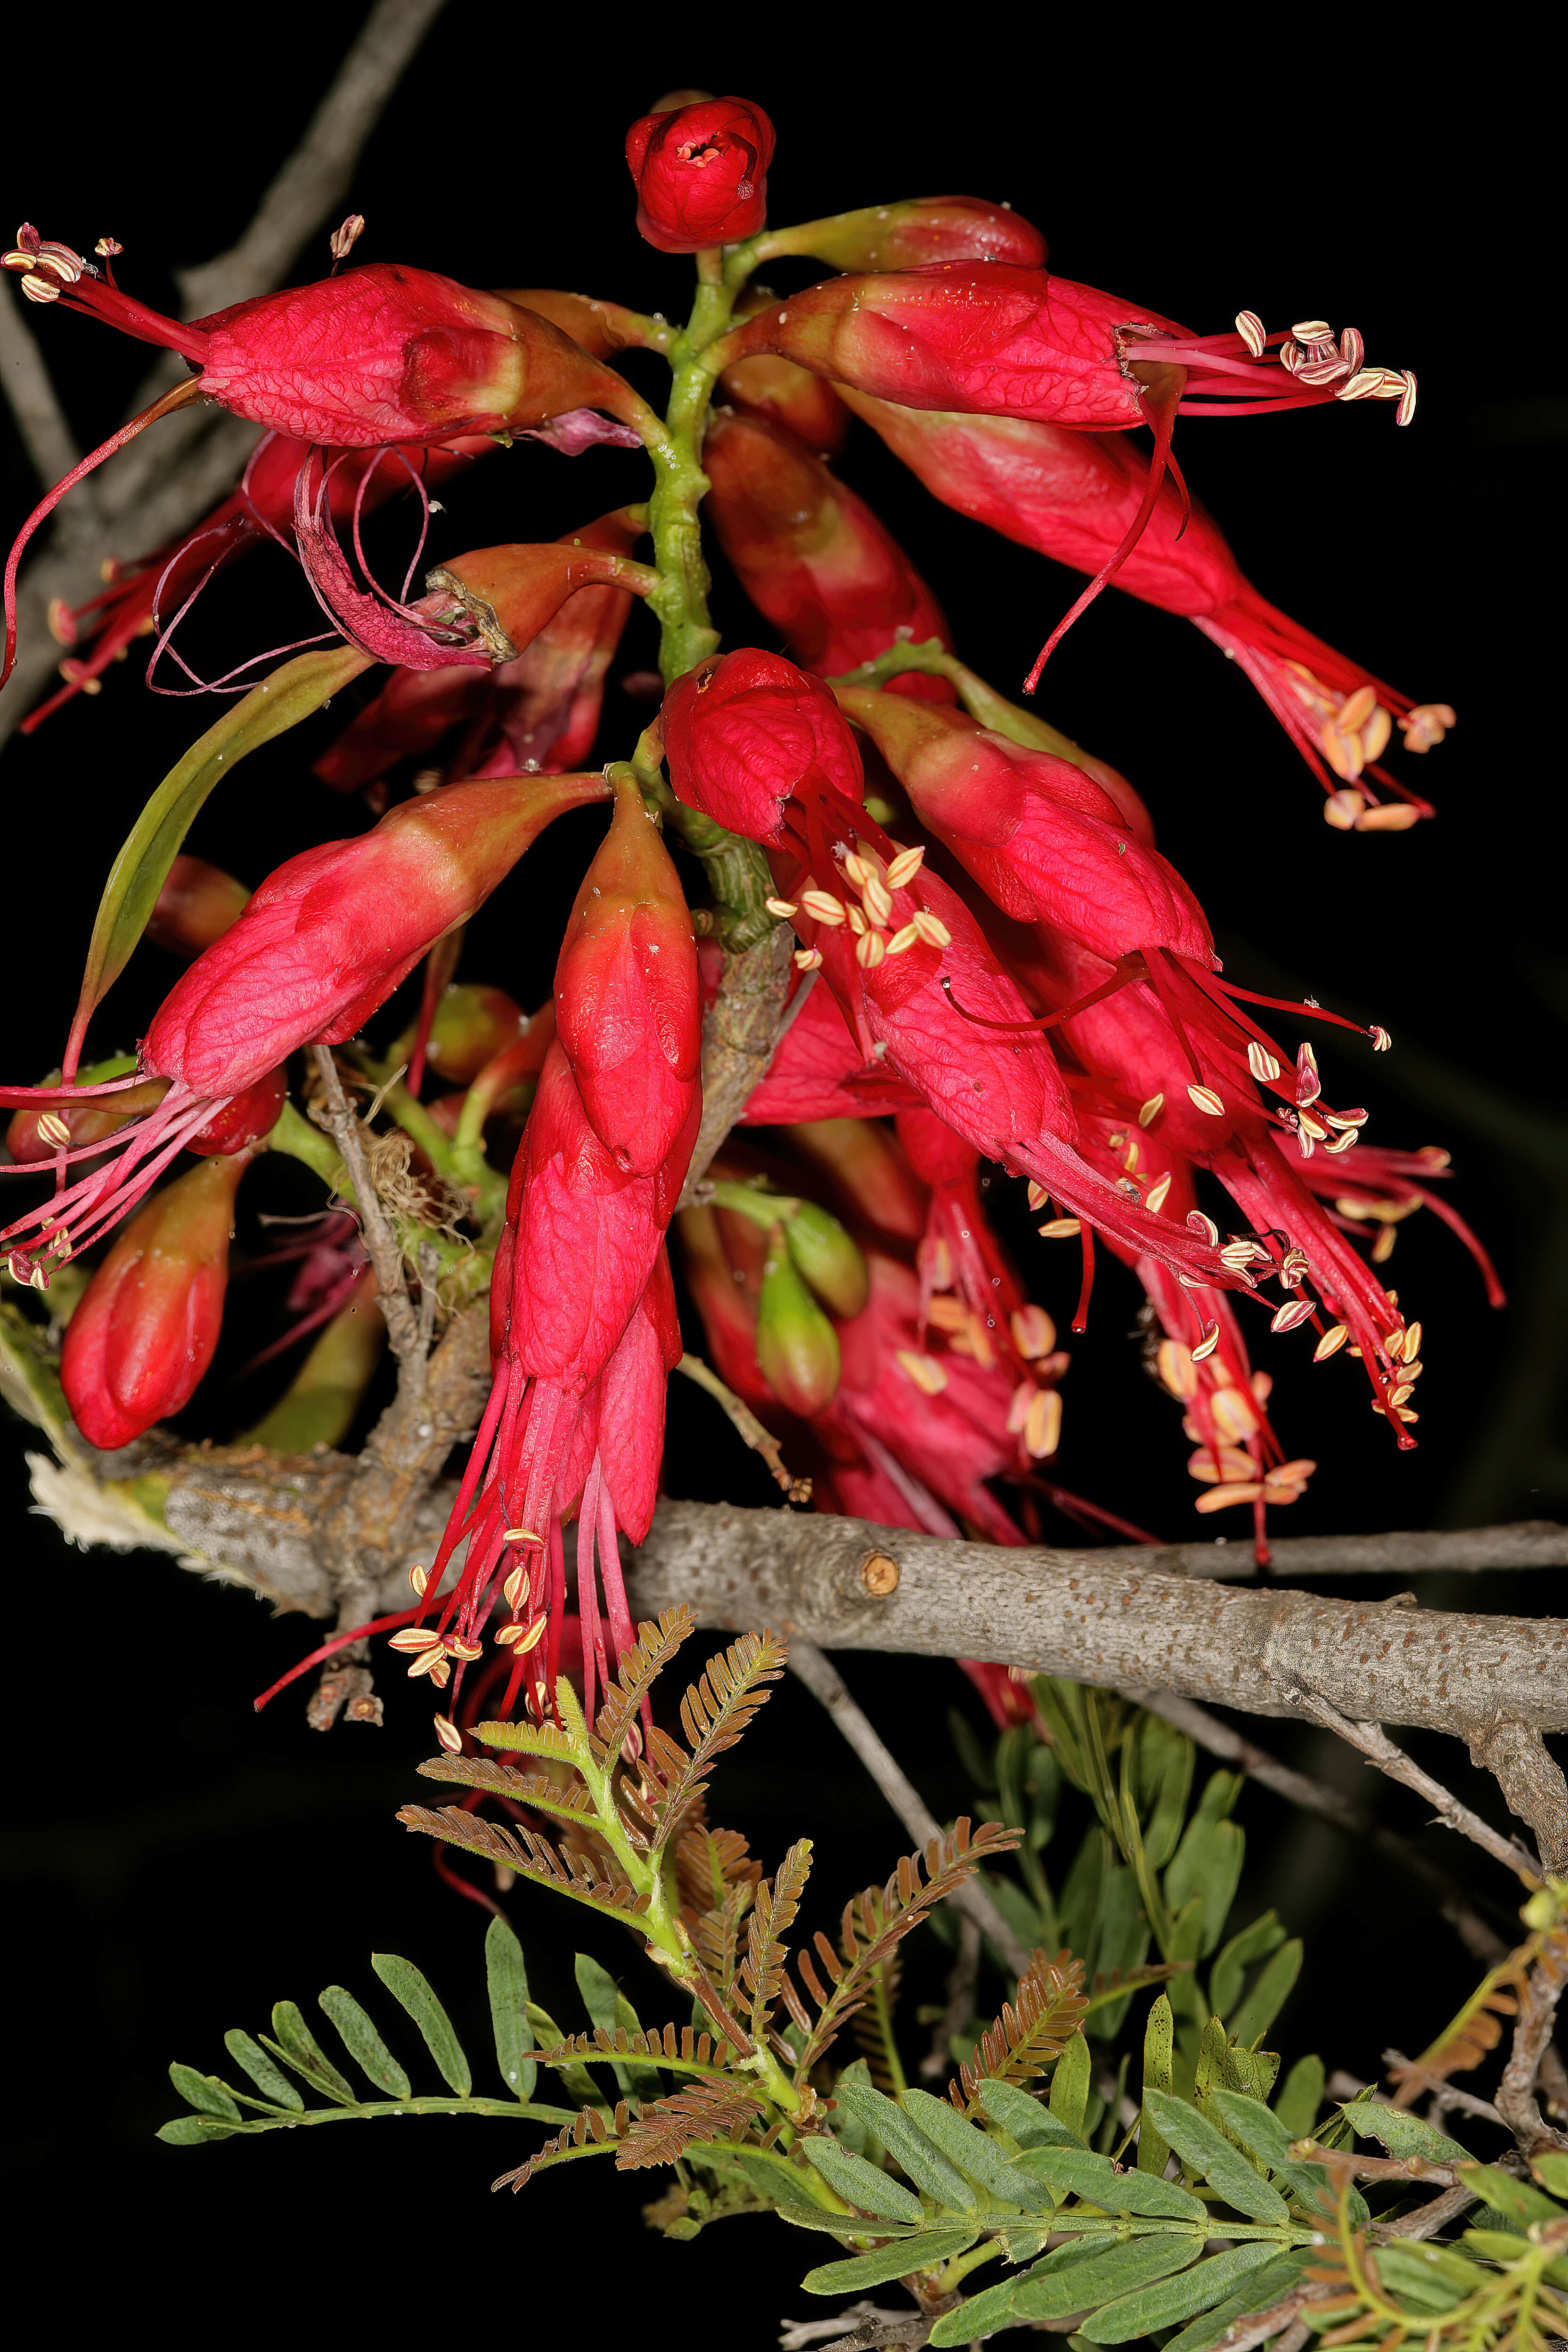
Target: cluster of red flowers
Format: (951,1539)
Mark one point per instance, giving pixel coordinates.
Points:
(992,953)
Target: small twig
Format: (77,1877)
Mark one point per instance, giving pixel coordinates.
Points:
(824,1683)
(381,1243)
(877,2328)
(760,1440)
(1241,2337)
(1374,2168)
(1516,2097)
(1296,2338)
(1447,2095)
(938,2060)
(1209,1731)
(1426,2220)
(1378,1748)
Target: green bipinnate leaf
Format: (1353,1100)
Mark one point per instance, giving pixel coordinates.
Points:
(1264,2288)
(408,1984)
(1119,2271)
(1079,2172)
(920,2252)
(268,2081)
(1212,2158)
(861,2184)
(141,869)
(1171,2300)
(507,1979)
(363,2043)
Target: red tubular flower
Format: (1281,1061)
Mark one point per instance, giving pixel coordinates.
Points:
(378,355)
(323,943)
(262,507)
(806,406)
(701,174)
(754,742)
(627,994)
(819,1072)
(1076,498)
(1042,839)
(812,556)
(145,1328)
(535,714)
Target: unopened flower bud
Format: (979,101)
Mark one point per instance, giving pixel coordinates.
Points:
(197,904)
(829,1258)
(701,173)
(145,1329)
(915,233)
(803,403)
(510,593)
(797,1346)
(751,731)
(627,1002)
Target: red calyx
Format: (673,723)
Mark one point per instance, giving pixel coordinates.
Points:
(701,174)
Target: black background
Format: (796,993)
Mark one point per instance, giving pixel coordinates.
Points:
(176,1863)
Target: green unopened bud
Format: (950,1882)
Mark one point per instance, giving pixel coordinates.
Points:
(472,1024)
(797,1346)
(828,1259)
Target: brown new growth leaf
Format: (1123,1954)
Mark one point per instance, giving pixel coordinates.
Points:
(1476,2028)
(1031,2030)
(711,2109)
(685,2047)
(655,1645)
(764,1980)
(873,1922)
(587,2133)
(716,1878)
(529,1855)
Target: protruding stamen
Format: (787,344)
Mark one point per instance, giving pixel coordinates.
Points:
(1249,327)
(908,864)
(1208,1344)
(1407,409)
(343,240)
(448,1733)
(419,1577)
(1034,1333)
(807,958)
(871,949)
(824,908)
(1343,808)
(1154,1197)
(1313,330)
(1427,725)
(1380,1040)
(1060,1229)
(878,901)
(901,941)
(1333,1341)
(515,1586)
(1038,1196)
(1309,1084)
(1261,1062)
(932,929)
(1204,1098)
(1294,1311)
(1206,1226)
(1150,1111)
(924,1370)
(782,908)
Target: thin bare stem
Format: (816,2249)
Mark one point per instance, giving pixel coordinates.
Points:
(761,1440)
(824,1683)
(1516,2098)
(337,1118)
(1378,1748)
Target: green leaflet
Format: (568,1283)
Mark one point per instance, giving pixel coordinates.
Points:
(1413,2273)
(1268,1995)
(298,2047)
(191,2131)
(1165,1761)
(1264,2288)
(507,1979)
(937,2148)
(1173,2299)
(1077,2172)
(407,1984)
(1069,2086)
(977,2315)
(1516,2198)
(1085,2286)
(1211,2156)
(141,869)
(1258,2129)
(1159,2046)
(1228,1974)
(1026,2120)
(1402,2134)
(925,2163)
(205,2093)
(266,2076)
(363,2043)
(1299,2096)
(1551,2171)
(859,2183)
(608,2007)
(895,2259)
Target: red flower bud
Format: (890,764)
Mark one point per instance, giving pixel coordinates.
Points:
(197,904)
(729,1317)
(914,234)
(627,995)
(803,403)
(812,556)
(511,593)
(749,732)
(329,936)
(701,173)
(147,1324)
(1041,838)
